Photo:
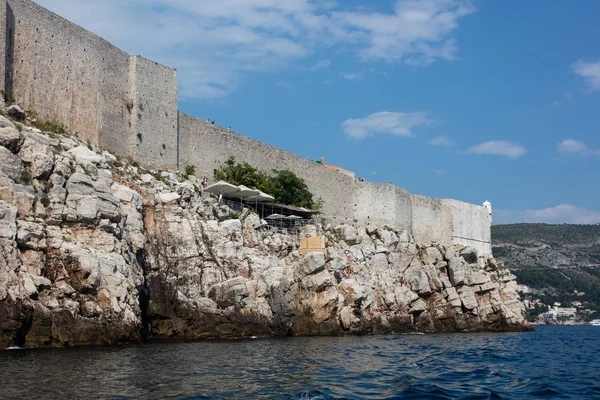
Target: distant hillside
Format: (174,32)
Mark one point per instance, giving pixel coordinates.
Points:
(555,258)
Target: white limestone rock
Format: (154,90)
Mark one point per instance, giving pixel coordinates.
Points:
(10,164)
(312,263)
(31,235)
(458,271)
(348,234)
(431,255)
(6,123)
(470,254)
(36,153)
(10,138)
(8,221)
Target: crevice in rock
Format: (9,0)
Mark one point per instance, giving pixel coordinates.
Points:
(144,295)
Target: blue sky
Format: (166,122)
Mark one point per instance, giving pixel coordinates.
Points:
(471,100)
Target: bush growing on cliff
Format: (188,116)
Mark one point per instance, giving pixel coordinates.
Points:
(288,188)
(50,125)
(190,170)
(284,185)
(239,173)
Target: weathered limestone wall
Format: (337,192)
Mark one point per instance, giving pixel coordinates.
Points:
(153,115)
(3,40)
(427,221)
(206,146)
(378,204)
(62,71)
(471,225)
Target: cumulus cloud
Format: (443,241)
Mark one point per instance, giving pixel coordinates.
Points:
(351,76)
(285,85)
(590,72)
(572,146)
(320,65)
(393,123)
(561,214)
(215,44)
(441,141)
(498,147)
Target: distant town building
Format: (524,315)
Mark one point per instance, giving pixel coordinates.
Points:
(560,314)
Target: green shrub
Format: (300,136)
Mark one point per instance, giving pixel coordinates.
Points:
(45,200)
(190,170)
(284,185)
(25,178)
(51,125)
(9,99)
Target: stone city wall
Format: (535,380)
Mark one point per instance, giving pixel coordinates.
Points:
(62,71)
(153,116)
(2,44)
(206,146)
(66,73)
(128,104)
(471,225)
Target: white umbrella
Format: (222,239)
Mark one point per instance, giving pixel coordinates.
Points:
(221,188)
(275,216)
(261,197)
(293,217)
(245,192)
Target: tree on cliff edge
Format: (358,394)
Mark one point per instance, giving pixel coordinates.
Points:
(284,185)
(239,173)
(288,188)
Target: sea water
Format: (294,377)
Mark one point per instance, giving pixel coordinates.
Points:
(552,362)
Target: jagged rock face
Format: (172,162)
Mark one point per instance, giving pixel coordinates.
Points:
(93,252)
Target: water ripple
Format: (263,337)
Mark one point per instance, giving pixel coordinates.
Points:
(553,362)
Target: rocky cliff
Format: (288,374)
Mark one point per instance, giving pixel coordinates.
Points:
(96,251)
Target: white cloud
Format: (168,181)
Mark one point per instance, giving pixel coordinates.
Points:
(417,32)
(567,96)
(438,171)
(284,85)
(351,76)
(441,141)
(590,72)
(393,123)
(553,104)
(498,147)
(571,146)
(320,65)
(561,214)
(215,44)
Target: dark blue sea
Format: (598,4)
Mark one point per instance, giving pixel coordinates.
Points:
(552,362)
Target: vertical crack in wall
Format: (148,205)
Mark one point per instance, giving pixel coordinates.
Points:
(8,47)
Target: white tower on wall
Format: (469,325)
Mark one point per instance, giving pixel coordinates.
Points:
(488,206)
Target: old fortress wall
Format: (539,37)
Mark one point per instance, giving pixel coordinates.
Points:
(128,104)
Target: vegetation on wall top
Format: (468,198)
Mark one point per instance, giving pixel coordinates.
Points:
(284,185)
